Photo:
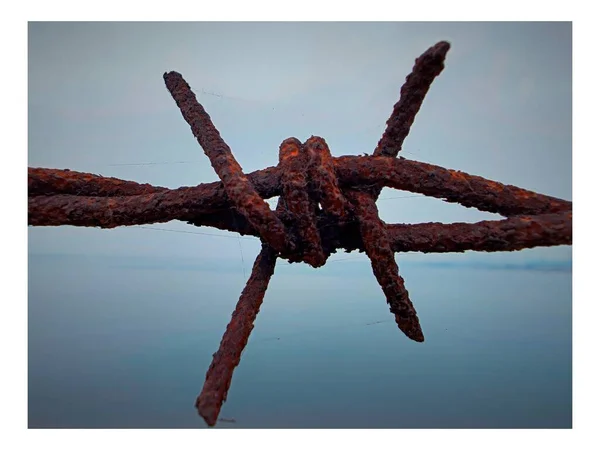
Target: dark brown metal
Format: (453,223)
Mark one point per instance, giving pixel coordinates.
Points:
(236,184)
(55,181)
(427,67)
(372,230)
(220,372)
(293,161)
(450,185)
(47,208)
(514,233)
(489,236)
(324,179)
(378,249)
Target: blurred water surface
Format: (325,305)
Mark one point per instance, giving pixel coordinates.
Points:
(126,343)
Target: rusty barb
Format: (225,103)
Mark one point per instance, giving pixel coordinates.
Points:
(325,204)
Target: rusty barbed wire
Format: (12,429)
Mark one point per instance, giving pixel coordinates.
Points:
(427,67)
(325,204)
(236,184)
(324,179)
(220,372)
(63,197)
(373,233)
(378,249)
(296,198)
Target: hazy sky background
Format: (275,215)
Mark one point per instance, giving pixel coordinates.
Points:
(123,322)
(501,109)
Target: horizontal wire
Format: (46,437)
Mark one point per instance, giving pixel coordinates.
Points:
(195,232)
(345,259)
(404,196)
(154,163)
(249,238)
(304,332)
(230,237)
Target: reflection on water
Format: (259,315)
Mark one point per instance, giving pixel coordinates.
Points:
(125,345)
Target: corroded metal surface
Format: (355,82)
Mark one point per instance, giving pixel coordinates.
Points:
(450,185)
(372,230)
(293,160)
(63,181)
(378,249)
(226,359)
(324,179)
(427,67)
(514,233)
(307,176)
(55,181)
(190,203)
(352,171)
(236,184)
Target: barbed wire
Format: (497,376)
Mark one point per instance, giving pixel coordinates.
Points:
(154,163)
(196,232)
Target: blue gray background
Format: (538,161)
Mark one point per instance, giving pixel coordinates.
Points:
(123,322)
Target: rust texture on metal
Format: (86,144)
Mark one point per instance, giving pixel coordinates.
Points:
(372,230)
(514,233)
(226,359)
(412,93)
(378,248)
(450,185)
(293,160)
(325,204)
(55,181)
(324,179)
(352,172)
(490,236)
(237,186)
